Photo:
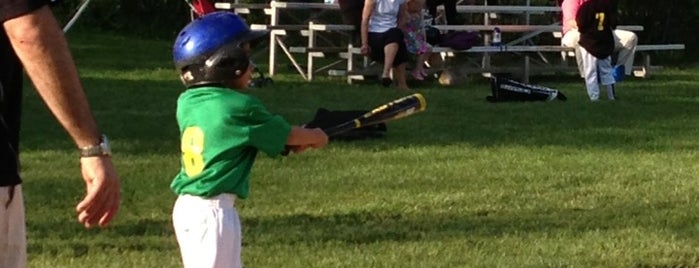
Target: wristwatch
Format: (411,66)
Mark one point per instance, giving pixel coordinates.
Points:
(101,149)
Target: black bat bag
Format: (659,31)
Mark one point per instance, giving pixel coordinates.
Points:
(504,90)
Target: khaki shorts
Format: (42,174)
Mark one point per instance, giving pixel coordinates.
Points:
(13,237)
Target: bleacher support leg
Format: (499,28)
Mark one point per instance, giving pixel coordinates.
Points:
(311,44)
(646,65)
(526,69)
(350,63)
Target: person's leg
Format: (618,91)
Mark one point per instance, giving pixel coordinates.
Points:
(400,58)
(606,78)
(396,54)
(571,39)
(13,238)
(417,72)
(420,64)
(208,231)
(389,51)
(591,78)
(399,75)
(625,43)
(377,44)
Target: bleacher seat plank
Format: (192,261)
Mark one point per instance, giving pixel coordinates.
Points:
(302,5)
(506,9)
(660,47)
(330,27)
(240,8)
(521,28)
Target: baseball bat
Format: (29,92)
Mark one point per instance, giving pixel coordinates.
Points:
(393,110)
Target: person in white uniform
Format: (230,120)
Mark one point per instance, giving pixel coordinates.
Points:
(624,41)
(595,20)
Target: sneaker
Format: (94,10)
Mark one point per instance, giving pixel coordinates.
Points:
(386,82)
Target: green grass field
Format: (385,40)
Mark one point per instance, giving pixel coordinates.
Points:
(465,184)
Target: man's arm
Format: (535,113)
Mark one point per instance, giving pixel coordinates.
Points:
(41,46)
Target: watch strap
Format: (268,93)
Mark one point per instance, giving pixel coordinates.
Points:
(101,149)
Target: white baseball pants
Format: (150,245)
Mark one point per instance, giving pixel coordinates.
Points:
(624,44)
(208,231)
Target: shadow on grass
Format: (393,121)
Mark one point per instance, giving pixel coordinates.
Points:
(137,235)
(366,227)
(50,236)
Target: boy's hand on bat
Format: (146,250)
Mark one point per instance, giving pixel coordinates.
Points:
(300,139)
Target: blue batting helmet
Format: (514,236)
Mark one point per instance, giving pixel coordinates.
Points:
(208,50)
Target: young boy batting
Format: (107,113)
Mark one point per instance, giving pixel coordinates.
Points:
(596,20)
(221,131)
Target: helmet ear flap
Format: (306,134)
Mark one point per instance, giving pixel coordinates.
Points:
(226,62)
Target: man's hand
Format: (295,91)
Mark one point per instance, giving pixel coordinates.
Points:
(102,196)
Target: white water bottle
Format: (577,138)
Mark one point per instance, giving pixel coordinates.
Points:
(497,37)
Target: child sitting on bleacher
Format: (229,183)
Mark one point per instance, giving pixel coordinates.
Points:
(415,38)
(596,19)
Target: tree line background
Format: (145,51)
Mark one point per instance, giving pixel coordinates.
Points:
(664,21)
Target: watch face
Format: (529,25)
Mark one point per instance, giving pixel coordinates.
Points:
(104,145)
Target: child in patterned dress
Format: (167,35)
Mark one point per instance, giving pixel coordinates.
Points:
(415,39)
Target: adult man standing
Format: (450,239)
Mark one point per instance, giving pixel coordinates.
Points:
(624,41)
(31,38)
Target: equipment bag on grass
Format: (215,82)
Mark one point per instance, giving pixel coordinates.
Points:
(504,89)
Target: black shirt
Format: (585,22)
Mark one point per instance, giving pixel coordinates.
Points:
(596,19)
(11,92)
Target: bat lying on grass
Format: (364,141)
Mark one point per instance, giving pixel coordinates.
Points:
(393,110)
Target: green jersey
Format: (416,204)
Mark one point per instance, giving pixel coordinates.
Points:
(221,131)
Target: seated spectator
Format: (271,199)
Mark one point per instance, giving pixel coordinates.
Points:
(624,41)
(449,10)
(382,39)
(415,37)
(595,20)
